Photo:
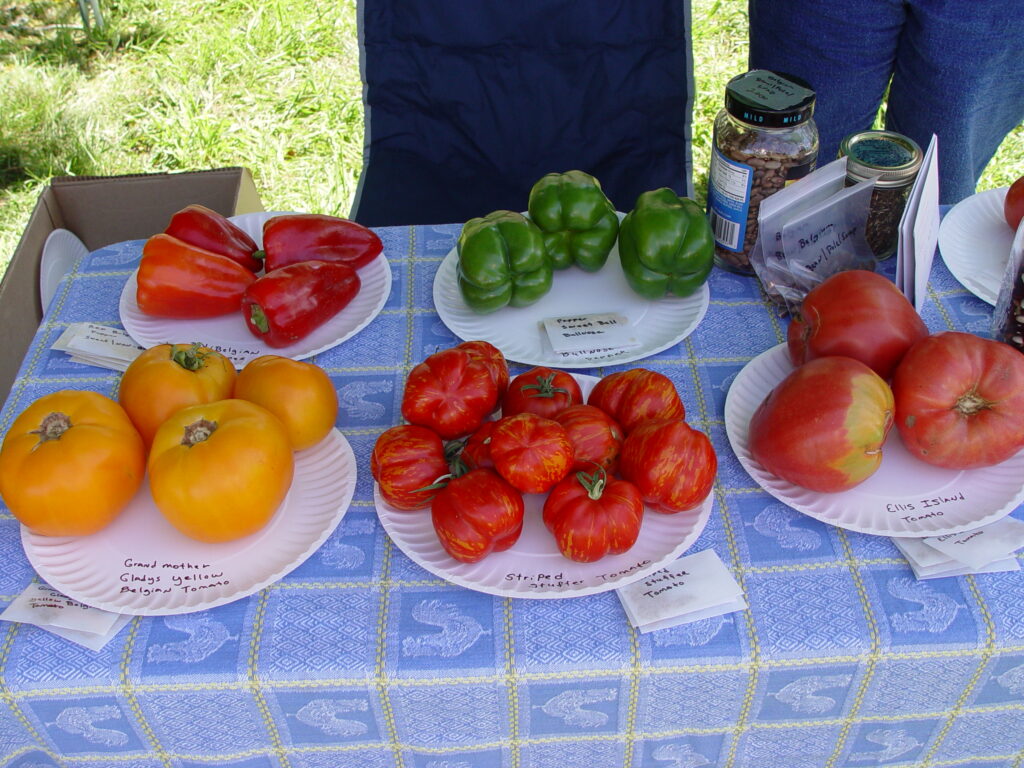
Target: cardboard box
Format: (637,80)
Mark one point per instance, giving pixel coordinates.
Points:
(102,210)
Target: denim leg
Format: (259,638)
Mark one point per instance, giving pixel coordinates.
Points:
(957,75)
(844,48)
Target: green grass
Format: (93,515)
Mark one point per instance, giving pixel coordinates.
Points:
(273,85)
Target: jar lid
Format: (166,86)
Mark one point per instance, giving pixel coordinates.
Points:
(890,158)
(769,99)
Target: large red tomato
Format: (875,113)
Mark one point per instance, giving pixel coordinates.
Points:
(476,514)
(451,392)
(406,461)
(637,395)
(1013,205)
(595,436)
(823,426)
(856,314)
(960,400)
(492,357)
(593,515)
(531,452)
(543,391)
(671,463)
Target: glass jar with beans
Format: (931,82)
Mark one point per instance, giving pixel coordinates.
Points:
(892,160)
(764,138)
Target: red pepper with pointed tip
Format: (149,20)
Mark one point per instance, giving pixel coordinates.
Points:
(204,227)
(176,279)
(294,237)
(288,304)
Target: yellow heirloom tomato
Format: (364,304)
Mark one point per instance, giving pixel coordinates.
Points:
(218,471)
(300,394)
(70,463)
(168,377)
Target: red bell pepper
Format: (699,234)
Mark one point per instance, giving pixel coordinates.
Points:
(287,304)
(204,227)
(176,279)
(295,237)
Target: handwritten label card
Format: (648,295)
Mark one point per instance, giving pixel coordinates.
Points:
(99,345)
(929,563)
(981,546)
(43,606)
(582,334)
(693,587)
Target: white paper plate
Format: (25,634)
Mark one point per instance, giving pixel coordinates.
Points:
(533,567)
(229,334)
(974,241)
(140,546)
(61,249)
(905,497)
(518,333)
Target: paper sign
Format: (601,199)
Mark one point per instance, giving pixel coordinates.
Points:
(44,607)
(981,546)
(929,563)
(693,587)
(579,333)
(99,345)
(919,230)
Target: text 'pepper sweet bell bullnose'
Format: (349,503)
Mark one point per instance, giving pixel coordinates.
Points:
(502,262)
(578,221)
(666,245)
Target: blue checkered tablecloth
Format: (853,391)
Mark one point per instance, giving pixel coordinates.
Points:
(842,659)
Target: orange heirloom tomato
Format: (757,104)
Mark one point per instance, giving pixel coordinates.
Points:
(70,463)
(218,471)
(300,394)
(169,377)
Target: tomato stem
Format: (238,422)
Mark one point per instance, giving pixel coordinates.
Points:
(191,358)
(198,432)
(970,402)
(545,387)
(595,483)
(52,426)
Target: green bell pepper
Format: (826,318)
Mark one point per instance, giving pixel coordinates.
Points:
(578,221)
(665,245)
(502,261)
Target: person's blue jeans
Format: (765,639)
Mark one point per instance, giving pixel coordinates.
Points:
(954,66)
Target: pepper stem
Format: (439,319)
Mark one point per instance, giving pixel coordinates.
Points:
(190,358)
(259,318)
(52,426)
(197,432)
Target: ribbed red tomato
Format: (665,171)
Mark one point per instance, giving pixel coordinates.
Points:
(476,451)
(451,392)
(960,400)
(637,395)
(406,461)
(531,452)
(543,391)
(596,437)
(593,515)
(476,514)
(491,356)
(671,463)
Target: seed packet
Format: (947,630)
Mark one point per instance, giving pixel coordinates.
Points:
(1008,315)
